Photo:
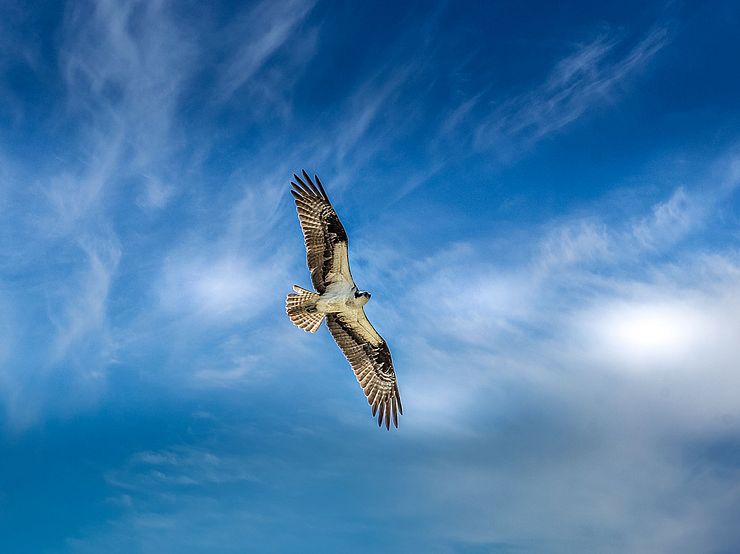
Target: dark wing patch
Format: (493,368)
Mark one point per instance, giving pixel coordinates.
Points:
(371,361)
(321,227)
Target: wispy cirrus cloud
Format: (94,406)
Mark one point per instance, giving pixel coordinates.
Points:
(258,35)
(584,80)
(116,113)
(569,373)
(84,304)
(146,470)
(509,121)
(126,65)
(592,292)
(124,70)
(616,338)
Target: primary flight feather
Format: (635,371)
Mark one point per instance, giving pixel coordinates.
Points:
(339,301)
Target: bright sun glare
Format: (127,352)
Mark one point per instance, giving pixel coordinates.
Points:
(649,333)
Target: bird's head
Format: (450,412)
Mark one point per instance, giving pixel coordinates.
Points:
(363,296)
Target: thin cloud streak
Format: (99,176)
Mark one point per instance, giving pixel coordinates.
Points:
(577,84)
(257,36)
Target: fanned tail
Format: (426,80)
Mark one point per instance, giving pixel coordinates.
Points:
(301,308)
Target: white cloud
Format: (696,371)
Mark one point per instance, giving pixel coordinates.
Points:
(220,287)
(577,386)
(628,298)
(671,220)
(156,194)
(125,67)
(649,335)
(83,308)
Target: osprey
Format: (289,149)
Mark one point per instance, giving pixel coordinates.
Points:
(339,301)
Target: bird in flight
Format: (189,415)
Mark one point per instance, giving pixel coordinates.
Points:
(338,300)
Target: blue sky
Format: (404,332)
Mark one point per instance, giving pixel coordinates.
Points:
(542,198)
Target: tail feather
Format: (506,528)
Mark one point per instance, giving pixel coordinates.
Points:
(301,308)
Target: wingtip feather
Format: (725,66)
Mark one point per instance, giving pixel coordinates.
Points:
(311,184)
(306,186)
(321,187)
(398,399)
(300,185)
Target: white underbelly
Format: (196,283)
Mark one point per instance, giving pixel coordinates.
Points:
(338,297)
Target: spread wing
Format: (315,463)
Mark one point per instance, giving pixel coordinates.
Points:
(325,237)
(371,361)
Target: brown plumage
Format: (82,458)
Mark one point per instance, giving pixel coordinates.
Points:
(371,361)
(339,301)
(322,229)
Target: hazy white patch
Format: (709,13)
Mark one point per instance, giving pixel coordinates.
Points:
(576,242)
(445,398)
(221,287)
(648,335)
(83,309)
(222,378)
(476,306)
(155,194)
(241,368)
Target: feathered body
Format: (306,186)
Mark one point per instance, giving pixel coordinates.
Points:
(338,300)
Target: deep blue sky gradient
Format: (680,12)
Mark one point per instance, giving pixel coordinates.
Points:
(541,196)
